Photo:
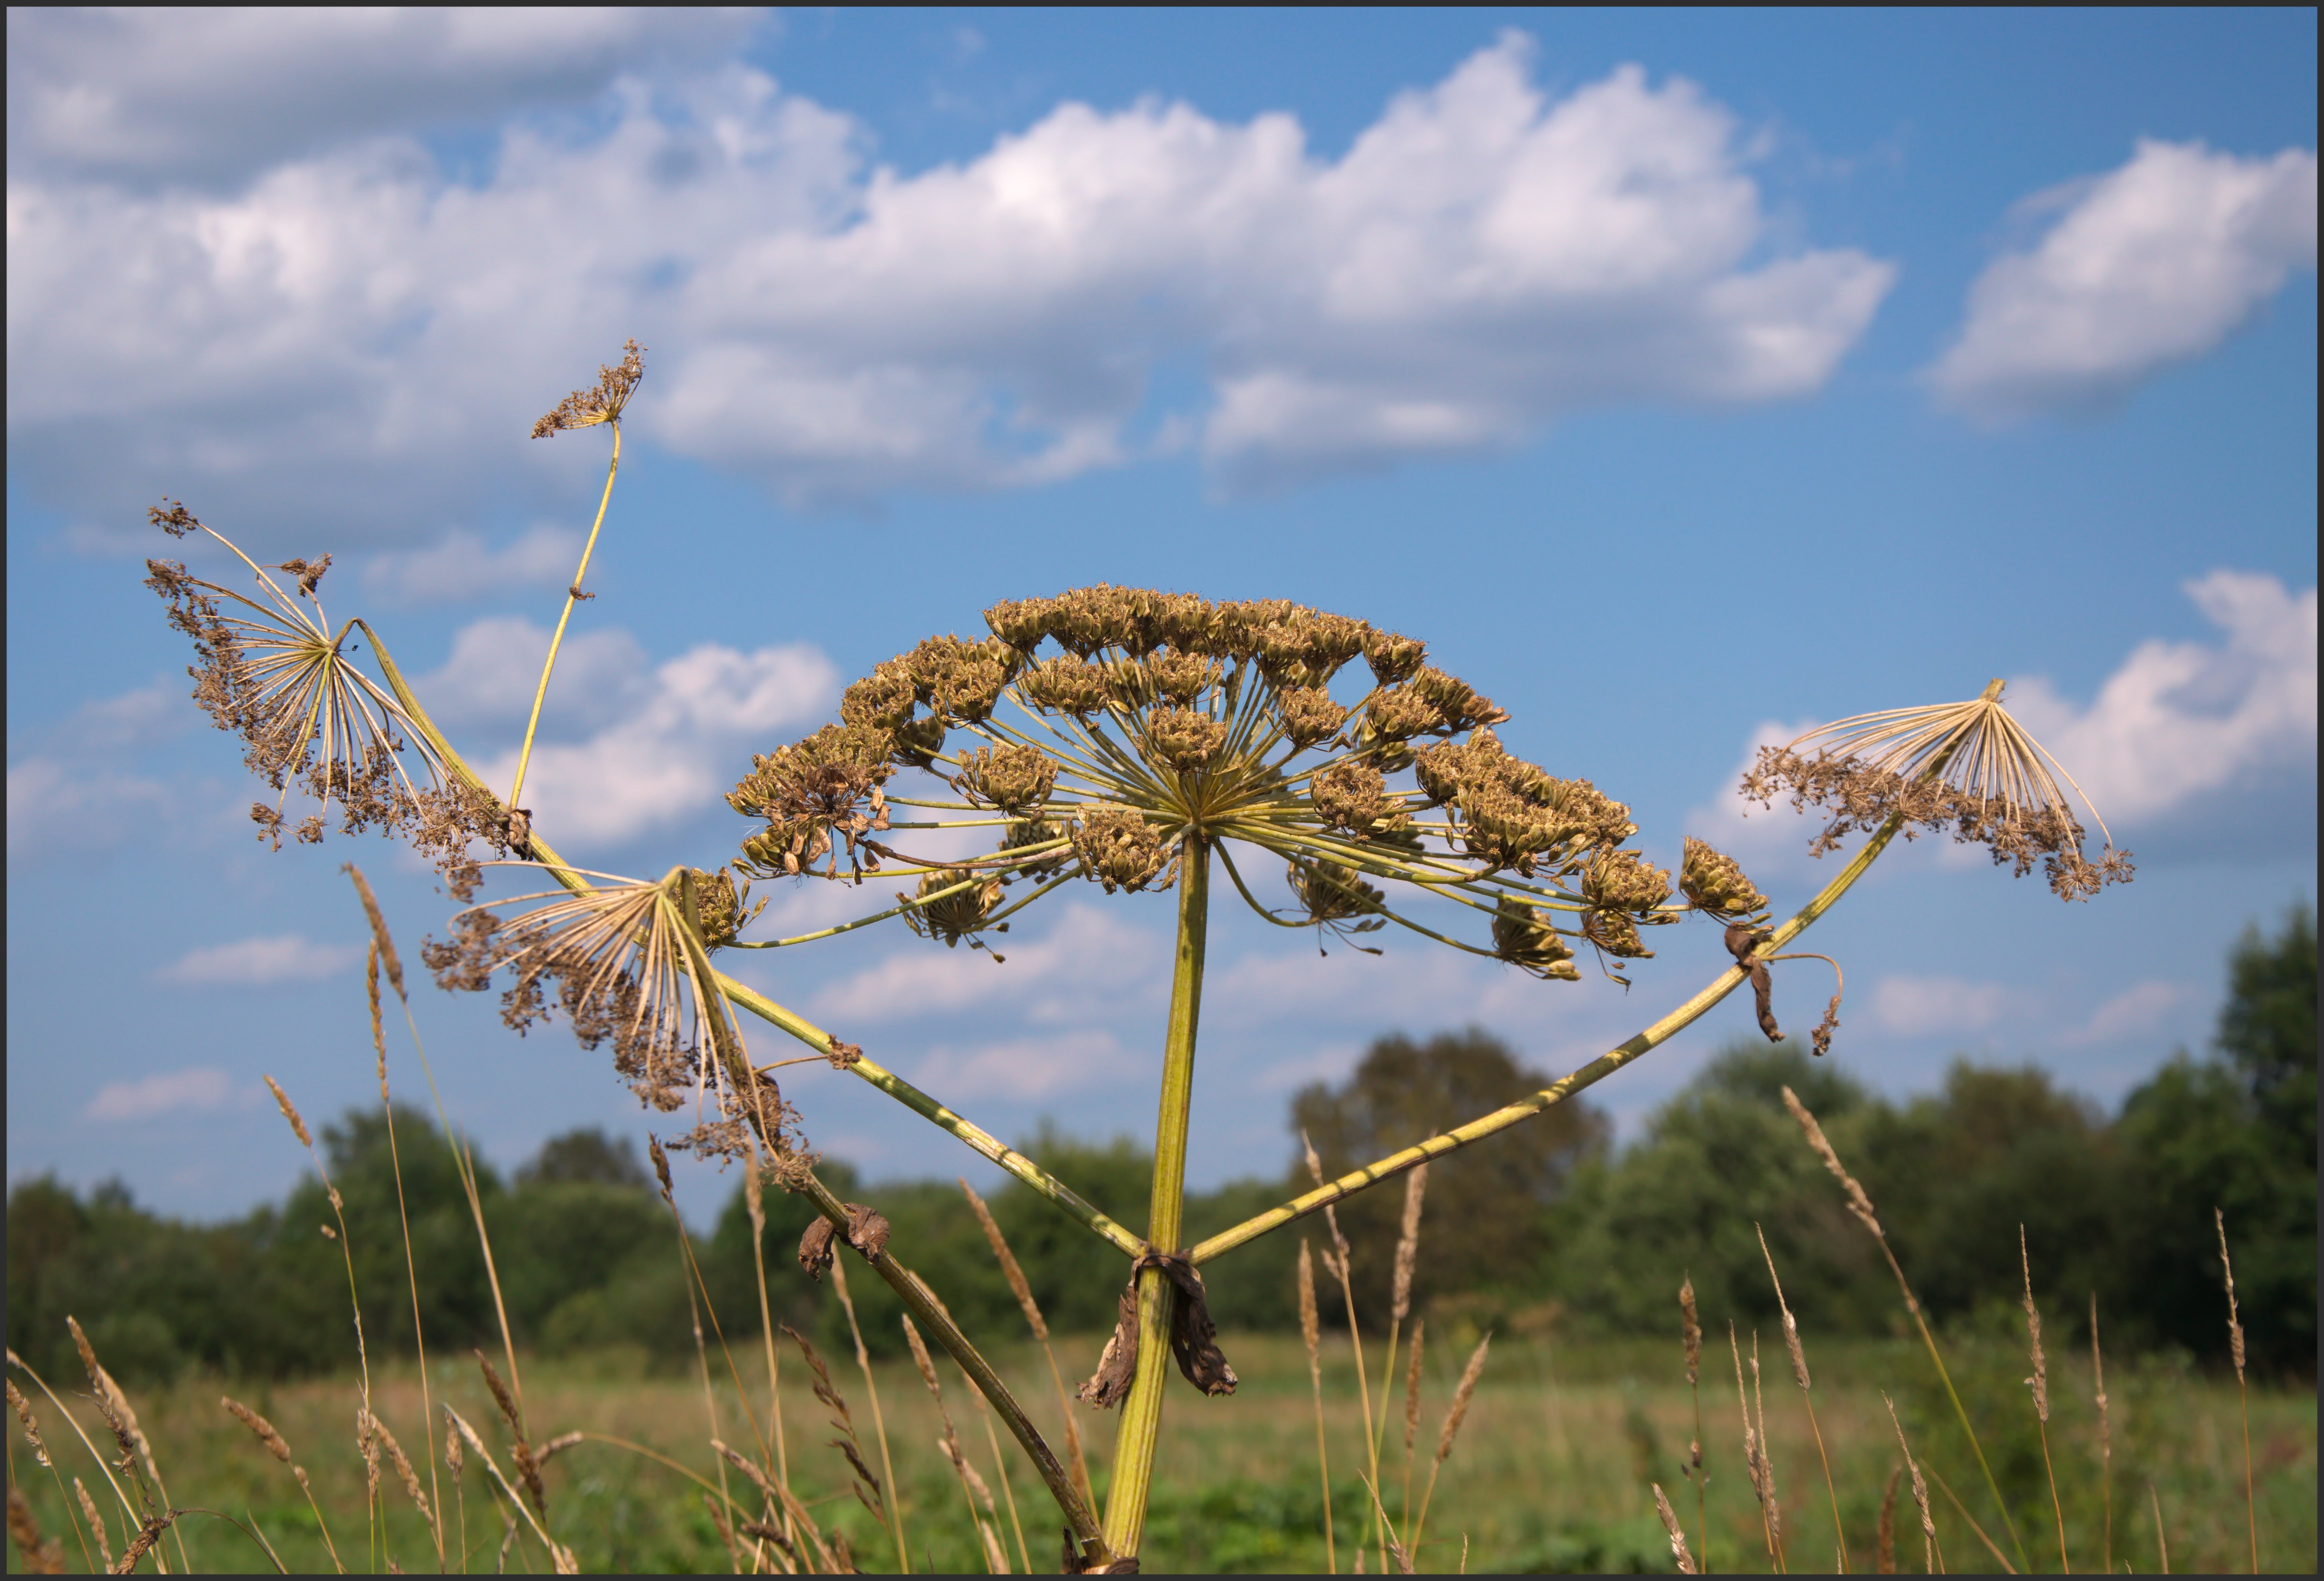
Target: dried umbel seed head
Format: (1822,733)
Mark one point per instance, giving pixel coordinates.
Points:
(1183,678)
(1967,767)
(722,911)
(826,784)
(965,901)
(1716,883)
(1522,938)
(1393,658)
(1015,778)
(1032,832)
(1309,715)
(1064,684)
(1512,814)
(1184,739)
(1461,705)
(1623,881)
(1399,714)
(961,680)
(1328,893)
(1353,797)
(588,408)
(1021,623)
(883,699)
(1119,848)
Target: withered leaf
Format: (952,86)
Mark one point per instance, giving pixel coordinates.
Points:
(1119,1360)
(814,1248)
(1742,938)
(867,1232)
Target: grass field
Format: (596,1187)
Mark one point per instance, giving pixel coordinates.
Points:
(1551,1470)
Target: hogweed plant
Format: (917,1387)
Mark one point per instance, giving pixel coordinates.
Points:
(1140,741)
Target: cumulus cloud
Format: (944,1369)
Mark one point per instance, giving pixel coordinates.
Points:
(462,566)
(77,790)
(2180,730)
(2131,1014)
(171,1092)
(2183,720)
(282,958)
(1929,1007)
(2148,266)
(1484,258)
(677,742)
(1089,966)
(210,93)
(490,676)
(1029,1069)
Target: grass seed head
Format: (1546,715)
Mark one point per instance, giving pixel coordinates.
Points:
(1680,1557)
(1311,1327)
(1461,1394)
(289,1112)
(1690,1329)
(96,1523)
(1407,1245)
(24,1410)
(2235,1319)
(2040,1381)
(41,1556)
(1412,1387)
(260,1427)
(1019,1285)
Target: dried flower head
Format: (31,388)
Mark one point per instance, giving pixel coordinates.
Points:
(1168,723)
(604,403)
(628,961)
(1967,767)
(272,670)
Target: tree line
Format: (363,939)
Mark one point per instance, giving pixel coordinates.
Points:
(1547,1222)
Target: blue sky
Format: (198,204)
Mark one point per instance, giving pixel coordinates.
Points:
(1684,378)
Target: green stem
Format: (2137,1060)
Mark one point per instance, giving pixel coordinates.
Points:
(1141,1413)
(572,597)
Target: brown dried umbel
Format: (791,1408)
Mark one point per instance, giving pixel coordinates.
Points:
(964,901)
(1017,780)
(1119,848)
(1336,901)
(829,783)
(1716,885)
(1967,768)
(604,402)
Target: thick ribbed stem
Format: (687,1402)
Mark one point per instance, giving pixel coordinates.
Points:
(1141,1413)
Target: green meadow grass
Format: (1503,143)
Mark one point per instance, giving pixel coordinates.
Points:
(1551,1471)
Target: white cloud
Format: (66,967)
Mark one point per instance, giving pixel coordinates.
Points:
(282,958)
(209,93)
(54,806)
(1930,1007)
(354,329)
(2177,726)
(2132,1013)
(1090,965)
(171,1092)
(462,566)
(2180,720)
(2150,265)
(1029,1069)
(494,669)
(677,748)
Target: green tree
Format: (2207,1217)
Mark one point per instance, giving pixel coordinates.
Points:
(1484,1220)
(2237,1133)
